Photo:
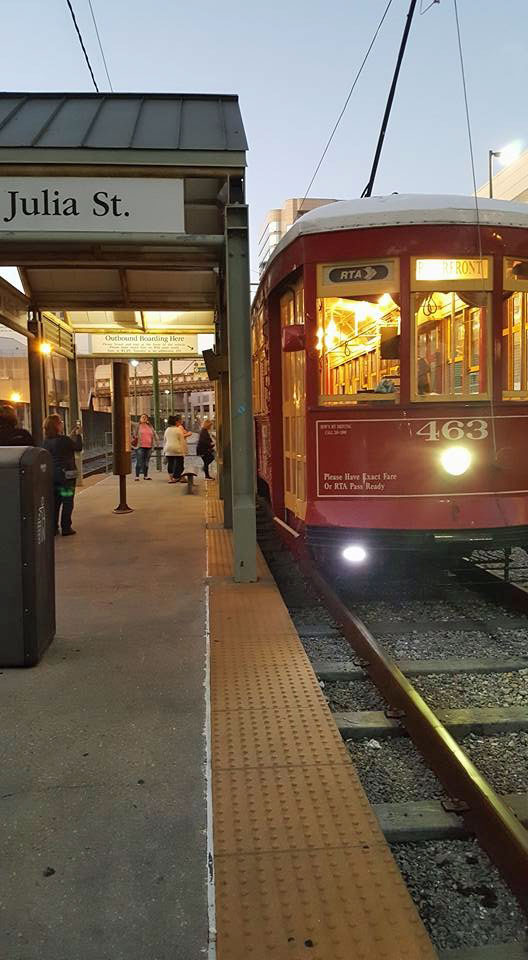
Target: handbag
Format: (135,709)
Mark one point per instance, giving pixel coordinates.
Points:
(134,440)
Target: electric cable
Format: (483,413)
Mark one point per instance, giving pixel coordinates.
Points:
(100,45)
(477,211)
(81,41)
(338,121)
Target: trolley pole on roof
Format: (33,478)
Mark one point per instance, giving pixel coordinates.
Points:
(367,192)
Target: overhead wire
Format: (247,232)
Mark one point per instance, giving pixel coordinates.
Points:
(477,210)
(81,41)
(100,45)
(345,105)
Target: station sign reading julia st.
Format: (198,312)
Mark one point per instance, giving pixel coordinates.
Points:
(91,205)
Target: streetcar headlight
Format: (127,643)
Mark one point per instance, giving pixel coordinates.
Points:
(355,553)
(455,460)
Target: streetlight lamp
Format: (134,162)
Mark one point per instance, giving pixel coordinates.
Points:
(508,154)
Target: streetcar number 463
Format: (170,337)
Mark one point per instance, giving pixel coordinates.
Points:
(454,430)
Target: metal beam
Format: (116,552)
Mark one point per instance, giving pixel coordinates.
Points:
(240,392)
(123,280)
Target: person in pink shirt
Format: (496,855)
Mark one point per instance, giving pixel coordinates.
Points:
(145,438)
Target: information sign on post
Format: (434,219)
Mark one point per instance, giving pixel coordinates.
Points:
(121,434)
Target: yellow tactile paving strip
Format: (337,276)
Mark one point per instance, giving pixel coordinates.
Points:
(302,869)
(220,553)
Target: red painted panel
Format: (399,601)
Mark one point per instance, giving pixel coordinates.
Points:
(384,469)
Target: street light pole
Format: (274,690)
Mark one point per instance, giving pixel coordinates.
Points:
(491,154)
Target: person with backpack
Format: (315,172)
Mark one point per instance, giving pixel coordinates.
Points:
(63,450)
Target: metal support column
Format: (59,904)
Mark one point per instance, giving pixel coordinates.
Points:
(156,397)
(75,412)
(171,379)
(37,379)
(226,489)
(240,392)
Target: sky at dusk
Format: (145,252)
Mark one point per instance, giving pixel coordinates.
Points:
(292,63)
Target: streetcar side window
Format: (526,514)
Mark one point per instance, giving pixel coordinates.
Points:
(260,364)
(358,348)
(515,347)
(450,345)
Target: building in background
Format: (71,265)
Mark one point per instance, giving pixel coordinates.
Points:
(278,222)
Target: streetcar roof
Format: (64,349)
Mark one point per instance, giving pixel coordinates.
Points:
(401,209)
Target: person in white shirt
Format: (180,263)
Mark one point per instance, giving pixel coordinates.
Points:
(175,447)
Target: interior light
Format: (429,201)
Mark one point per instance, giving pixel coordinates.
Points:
(45,348)
(385,300)
(455,460)
(15,397)
(331,337)
(355,553)
(134,363)
(167,392)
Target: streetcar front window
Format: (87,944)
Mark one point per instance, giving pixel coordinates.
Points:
(450,345)
(358,347)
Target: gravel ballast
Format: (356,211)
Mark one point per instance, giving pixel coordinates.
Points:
(460,896)
(474,690)
(352,695)
(502,759)
(393,771)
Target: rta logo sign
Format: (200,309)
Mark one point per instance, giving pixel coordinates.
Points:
(359,273)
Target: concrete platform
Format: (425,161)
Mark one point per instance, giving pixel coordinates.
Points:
(102,762)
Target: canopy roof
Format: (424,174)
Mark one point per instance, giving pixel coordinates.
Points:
(121,121)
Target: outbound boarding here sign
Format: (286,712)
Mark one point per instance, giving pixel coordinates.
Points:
(144,344)
(91,205)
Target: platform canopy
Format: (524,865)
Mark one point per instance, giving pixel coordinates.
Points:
(125,215)
(164,158)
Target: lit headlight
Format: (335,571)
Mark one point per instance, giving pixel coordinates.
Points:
(355,553)
(455,460)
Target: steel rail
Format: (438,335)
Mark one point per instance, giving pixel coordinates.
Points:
(498,830)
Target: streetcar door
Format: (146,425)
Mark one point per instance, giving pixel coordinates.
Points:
(294,407)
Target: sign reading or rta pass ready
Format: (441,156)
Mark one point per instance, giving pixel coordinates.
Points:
(91,205)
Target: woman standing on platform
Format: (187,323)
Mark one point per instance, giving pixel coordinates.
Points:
(175,447)
(63,450)
(205,447)
(144,438)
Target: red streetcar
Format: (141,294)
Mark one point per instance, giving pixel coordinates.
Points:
(390,358)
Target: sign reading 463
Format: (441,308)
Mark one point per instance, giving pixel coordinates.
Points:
(454,430)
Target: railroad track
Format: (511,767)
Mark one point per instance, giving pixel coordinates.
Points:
(94,464)
(447,665)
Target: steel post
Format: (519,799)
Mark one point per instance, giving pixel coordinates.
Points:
(225,441)
(37,380)
(75,412)
(156,398)
(240,392)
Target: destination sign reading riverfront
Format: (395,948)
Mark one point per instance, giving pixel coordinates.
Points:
(91,205)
